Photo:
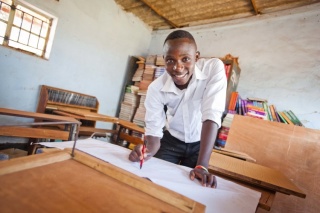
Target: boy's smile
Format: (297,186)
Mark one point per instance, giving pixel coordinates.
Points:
(180,56)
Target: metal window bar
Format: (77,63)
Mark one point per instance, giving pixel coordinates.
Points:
(29,31)
(7,37)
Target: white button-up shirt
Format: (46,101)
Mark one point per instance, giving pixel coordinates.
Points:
(203,99)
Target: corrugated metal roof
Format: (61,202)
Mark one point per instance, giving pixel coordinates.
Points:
(165,14)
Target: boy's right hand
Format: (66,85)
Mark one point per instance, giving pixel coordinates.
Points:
(136,154)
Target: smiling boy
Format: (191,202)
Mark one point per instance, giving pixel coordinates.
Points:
(194,93)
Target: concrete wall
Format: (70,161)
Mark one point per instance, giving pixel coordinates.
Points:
(90,54)
(279,56)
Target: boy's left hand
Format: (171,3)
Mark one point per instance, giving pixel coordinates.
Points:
(207,179)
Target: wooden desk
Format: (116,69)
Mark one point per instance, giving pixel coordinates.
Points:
(91,116)
(55,182)
(263,179)
(26,130)
(227,198)
(125,132)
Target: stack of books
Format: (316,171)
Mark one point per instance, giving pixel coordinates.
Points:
(159,71)
(255,108)
(148,73)
(137,77)
(141,110)
(129,103)
(151,59)
(223,132)
(160,60)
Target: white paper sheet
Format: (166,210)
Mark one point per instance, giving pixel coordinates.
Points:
(228,197)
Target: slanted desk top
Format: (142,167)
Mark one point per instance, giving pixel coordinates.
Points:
(55,182)
(228,197)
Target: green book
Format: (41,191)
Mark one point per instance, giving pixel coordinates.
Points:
(293,116)
(266,109)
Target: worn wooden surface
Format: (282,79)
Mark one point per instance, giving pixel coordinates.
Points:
(26,114)
(85,114)
(293,150)
(86,184)
(32,161)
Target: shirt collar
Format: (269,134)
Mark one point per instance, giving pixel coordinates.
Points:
(169,85)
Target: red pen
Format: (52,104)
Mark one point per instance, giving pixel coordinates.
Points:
(143,151)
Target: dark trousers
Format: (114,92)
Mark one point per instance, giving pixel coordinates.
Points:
(177,151)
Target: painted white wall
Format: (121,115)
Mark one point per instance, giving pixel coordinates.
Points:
(93,44)
(279,57)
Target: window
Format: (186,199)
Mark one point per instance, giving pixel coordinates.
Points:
(27,28)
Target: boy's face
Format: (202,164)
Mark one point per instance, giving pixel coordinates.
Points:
(180,56)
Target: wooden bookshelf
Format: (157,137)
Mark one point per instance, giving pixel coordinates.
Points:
(81,106)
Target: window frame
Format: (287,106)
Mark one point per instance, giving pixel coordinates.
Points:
(50,33)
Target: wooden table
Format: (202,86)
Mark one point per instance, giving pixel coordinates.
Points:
(55,182)
(257,177)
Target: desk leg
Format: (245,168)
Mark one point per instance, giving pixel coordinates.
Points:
(118,135)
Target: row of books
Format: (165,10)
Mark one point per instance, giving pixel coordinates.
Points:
(259,108)
(148,70)
(66,97)
(253,107)
(223,132)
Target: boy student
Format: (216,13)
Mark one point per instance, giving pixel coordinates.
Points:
(194,93)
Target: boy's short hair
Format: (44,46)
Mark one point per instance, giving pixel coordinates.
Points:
(179,34)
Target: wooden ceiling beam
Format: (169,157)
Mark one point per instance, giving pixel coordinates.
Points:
(159,14)
(253,3)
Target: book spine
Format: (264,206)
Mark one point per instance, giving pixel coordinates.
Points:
(282,118)
(266,109)
(276,113)
(254,108)
(289,116)
(295,118)
(273,113)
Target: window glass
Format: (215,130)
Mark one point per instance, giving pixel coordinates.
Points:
(30,29)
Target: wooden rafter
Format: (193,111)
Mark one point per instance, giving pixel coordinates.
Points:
(253,2)
(159,14)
